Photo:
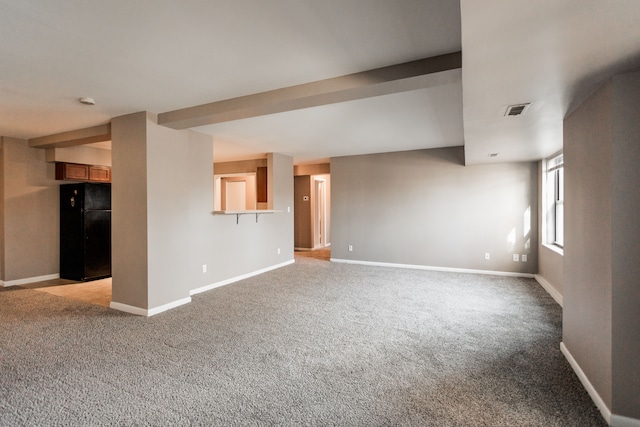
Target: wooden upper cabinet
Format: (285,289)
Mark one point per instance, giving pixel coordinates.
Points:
(261,185)
(83,173)
(99,174)
(72,171)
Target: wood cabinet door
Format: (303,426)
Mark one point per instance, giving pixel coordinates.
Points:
(72,171)
(99,174)
(82,173)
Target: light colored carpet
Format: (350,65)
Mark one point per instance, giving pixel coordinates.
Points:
(313,343)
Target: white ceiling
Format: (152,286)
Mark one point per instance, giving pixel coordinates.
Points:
(552,53)
(161,55)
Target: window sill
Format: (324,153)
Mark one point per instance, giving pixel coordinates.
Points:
(554,248)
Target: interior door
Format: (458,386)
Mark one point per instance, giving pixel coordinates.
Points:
(320,228)
(236,195)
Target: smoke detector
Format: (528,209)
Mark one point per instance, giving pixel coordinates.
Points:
(516,109)
(87,101)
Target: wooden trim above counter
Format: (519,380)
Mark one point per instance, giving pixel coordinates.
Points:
(82,173)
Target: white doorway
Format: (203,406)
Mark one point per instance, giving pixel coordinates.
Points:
(234,192)
(320,214)
(236,195)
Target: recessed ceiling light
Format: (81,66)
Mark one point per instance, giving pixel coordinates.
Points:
(493,154)
(87,101)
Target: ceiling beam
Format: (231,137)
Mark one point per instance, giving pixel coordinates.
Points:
(75,137)
(409,76)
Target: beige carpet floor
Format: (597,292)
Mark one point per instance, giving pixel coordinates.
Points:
(314,343)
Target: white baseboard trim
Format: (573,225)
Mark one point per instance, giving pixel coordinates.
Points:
(620,421)
(427,267)
(612,419)
(19,282)
(238,278)
(148,312)
(549,288)
(602,407)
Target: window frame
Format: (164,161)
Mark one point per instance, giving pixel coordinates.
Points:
(555,197)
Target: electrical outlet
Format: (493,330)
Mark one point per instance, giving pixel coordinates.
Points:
(204,268)
(350,248)
(524,258)
(516,257)
(487,255)
(278,251)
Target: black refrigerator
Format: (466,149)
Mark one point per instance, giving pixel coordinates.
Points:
(85,231)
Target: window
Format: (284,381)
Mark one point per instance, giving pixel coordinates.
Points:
(555,200)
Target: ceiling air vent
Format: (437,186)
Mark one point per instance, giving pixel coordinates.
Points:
(517,109)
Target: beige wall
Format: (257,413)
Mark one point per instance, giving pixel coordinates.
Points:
(163,227)
(426,208)
(587,255)
(240,166)
(2,203)
(30,213)
(551,267)
(312,169)
(168,232)
(302,212)
(601,319)
(129,210)
(626,246)
(79,154)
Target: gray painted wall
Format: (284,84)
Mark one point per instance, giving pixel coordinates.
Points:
(587,255)
(163,238)
(427,208)
(163,229)
(626,245)
(30,212)
(303,237)
(551,267)
(168,231)
(601,319)
(2,203)
(231,249)
(312,169)
(150,203)
(129,210)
